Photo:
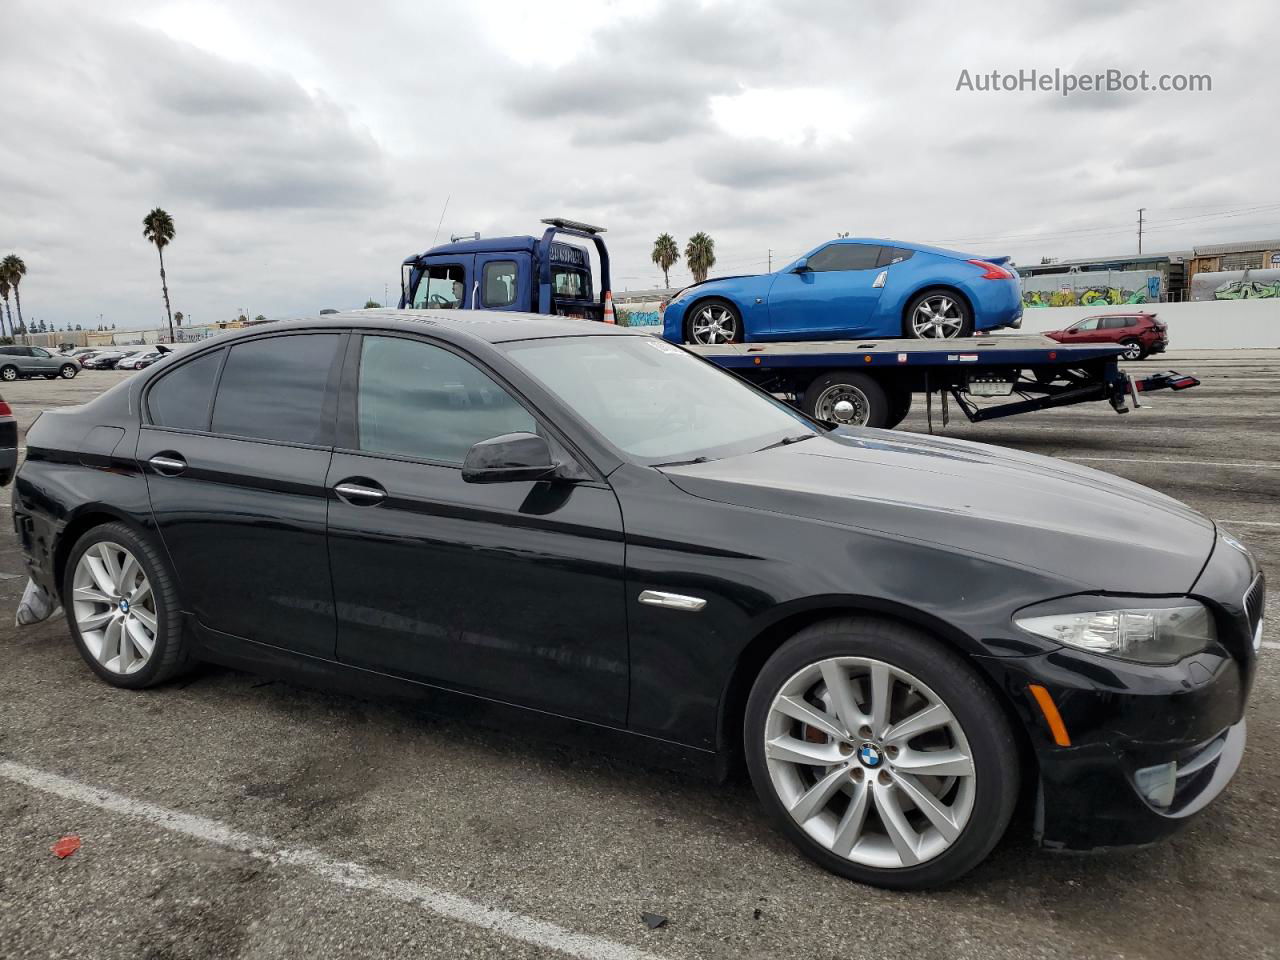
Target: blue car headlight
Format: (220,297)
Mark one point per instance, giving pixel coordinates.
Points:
(1160,633)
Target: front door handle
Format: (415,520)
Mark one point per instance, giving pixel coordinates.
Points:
(360,494)
(170,466)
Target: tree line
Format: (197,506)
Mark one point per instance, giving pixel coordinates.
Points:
(699,255)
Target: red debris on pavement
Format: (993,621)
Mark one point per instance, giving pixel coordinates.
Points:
(66,846)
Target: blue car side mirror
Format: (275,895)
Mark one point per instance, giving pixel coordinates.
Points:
(801,265)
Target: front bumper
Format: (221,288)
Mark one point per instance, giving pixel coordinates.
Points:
(1150,745)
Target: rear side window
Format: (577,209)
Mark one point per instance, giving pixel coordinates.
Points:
(181,397)
(1117,323)
(845,256)
(275,389)
(500,283)
(418,400)
(892,255)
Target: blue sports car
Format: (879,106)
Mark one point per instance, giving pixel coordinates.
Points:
(851,288)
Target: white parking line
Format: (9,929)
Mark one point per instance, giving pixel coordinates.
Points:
(507,923)
(1199,463)
(1249,523)
(1271,645)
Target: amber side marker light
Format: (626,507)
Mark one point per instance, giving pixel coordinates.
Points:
(1051,715)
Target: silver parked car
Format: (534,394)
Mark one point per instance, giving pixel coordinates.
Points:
(18,361)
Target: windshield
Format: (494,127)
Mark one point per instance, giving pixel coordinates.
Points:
(654,401)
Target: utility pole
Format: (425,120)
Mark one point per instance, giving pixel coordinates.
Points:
(1140,212)
(770,260)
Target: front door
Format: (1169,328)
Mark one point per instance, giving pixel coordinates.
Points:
(833,296)
(445,282)
(508,590)
(237,489)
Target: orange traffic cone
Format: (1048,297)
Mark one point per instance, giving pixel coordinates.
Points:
(608,308)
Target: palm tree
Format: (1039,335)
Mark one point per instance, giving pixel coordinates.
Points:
(700,255)
(178,318)
(14,270)
(665,254)
(157,226)
(4,292)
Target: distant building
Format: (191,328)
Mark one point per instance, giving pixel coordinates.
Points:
(1225,257)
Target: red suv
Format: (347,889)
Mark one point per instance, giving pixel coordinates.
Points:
(1141,334)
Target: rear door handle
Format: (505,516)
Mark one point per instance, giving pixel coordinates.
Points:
(170,466)
(360,494)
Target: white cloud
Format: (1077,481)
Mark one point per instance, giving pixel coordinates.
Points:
(795,116)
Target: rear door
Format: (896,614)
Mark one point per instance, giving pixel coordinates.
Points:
(503,281)
(508,590)
(834,296)
(235,445)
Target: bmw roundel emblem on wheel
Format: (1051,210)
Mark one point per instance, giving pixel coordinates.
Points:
(868,755)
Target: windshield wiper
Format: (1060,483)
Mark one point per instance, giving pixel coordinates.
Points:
(787,441)
(681,463)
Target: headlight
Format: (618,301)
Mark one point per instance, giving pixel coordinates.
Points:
(679,296)
(1157,634)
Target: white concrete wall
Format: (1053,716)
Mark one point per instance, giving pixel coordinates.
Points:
(1213,324)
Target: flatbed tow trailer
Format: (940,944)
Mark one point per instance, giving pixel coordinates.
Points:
(872,382)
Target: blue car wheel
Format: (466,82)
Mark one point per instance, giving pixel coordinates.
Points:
(713,321)
(939,314)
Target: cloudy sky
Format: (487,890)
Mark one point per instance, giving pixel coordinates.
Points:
(305,148)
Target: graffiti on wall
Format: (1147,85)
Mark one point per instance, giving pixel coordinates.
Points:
(1236,285)
(1091,289)
(639,315)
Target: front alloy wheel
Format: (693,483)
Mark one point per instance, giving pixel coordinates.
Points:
(881,753)
(114,608)
(714,323)
(870,762)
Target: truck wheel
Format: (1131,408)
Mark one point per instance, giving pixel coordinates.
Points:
(938,315)
(880,753)
(1132,350)
(899,407)
(712,322)
(848,398)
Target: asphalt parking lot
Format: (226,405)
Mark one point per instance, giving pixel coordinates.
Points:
(246,817)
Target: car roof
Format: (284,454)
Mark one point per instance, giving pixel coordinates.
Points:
(488,326)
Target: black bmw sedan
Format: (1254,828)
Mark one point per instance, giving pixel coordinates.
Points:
(590,531)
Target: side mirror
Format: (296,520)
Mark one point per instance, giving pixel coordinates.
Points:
(802,265)
(512,456)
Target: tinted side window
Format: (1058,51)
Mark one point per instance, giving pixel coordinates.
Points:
(1117,323)
(274,389)
(890,255)
(181,397)
(418,400)
(845,256)
(499,283)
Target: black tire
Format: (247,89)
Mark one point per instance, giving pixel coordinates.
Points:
(171,655)
(1132,350)
(871,403)
(713,304)
(899,407)
(971,702)
(8,373)
(68,371)
(958,308)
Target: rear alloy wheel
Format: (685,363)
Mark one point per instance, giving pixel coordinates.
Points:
(1132,350)
(881,754)
(847,398)
(123,609)
(8,373)
(68,371)
(939,315)
(712,322)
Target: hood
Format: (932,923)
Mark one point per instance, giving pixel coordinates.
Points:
(1102,532)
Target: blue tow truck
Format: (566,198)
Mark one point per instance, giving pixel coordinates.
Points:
(857,382)
(522,274)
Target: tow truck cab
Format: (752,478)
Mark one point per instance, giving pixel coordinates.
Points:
(528,274)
